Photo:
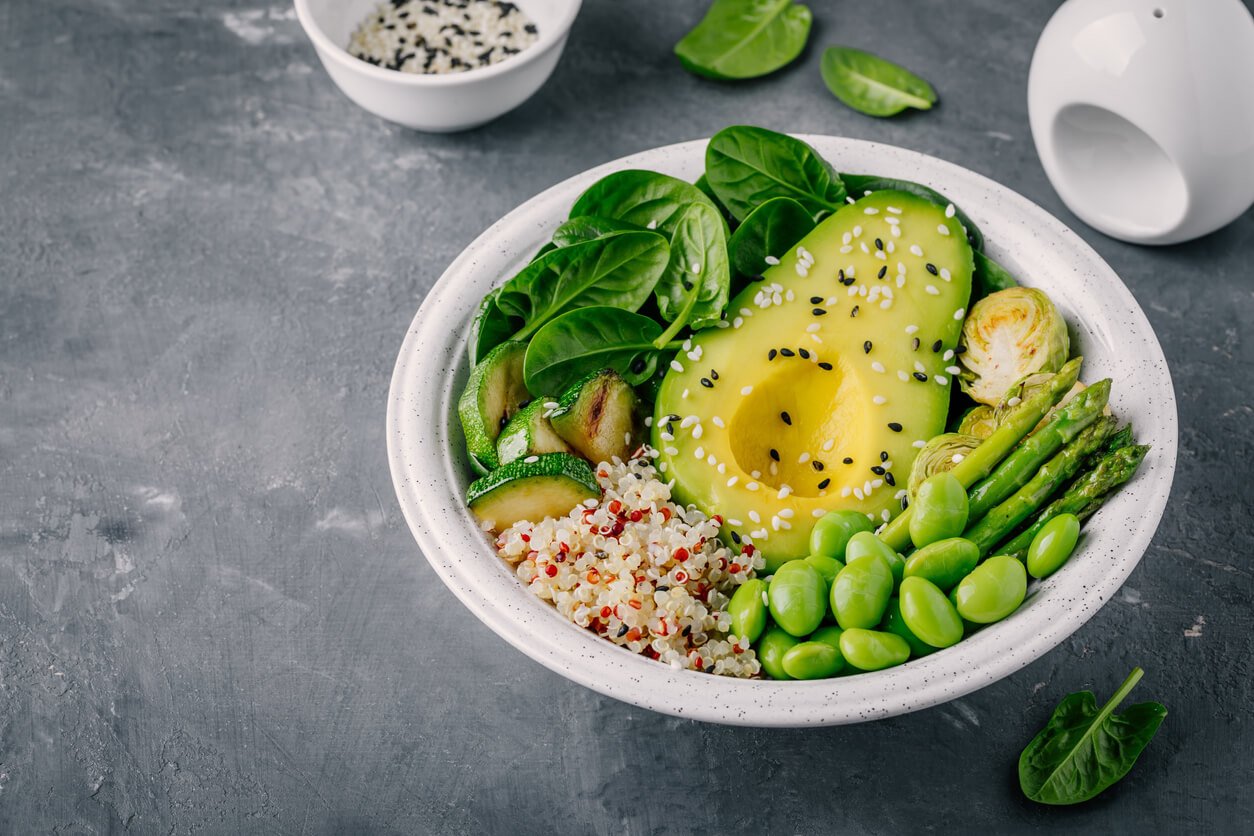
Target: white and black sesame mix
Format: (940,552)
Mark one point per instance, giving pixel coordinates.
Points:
(441,36)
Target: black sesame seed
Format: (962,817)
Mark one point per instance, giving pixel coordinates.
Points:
(847,281)
(905,503)
(707,383)
(866,347)
(914,346)
(713,374)
(622,631)
(817,465)
(735,538)
(878,470)
(883,272)
(894,426)
(823,485)
(854,312)
(879,243)
(669,418)
(770,355)
(805,355)
(774,454)
(936,347)
(847,460)
(787,352)
(786,418)
(825,366)
(662,588)
(890,479)
(962,349)
(816,300)
(921,377)
(819,311)
(883,455)
(931,268)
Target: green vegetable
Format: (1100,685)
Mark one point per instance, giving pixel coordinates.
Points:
(1052,545)
(490,328)
(1022,464)
(748,166)
(588,339)
(1083,749)
(1085,495)
(866,543)
(494,393)
(1006,336)
(871,85)
(940,509)
(938,456)
(693,290)
(770,231)
(992,591)
(796,594)
(989,454)
(586,228)
(861,591)
(748,609)
(944,562)
(617,270)
(829,567)
(894,623)
(928,613)
(770,650)
(813,660)
(979,423)
(831,534)
(645,199)
(989,277)
(1051,476)
(600,416)
(860,185)
(529,433)
(532,489)
(745,38)
(872,650)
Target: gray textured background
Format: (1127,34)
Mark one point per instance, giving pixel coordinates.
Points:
(212,616)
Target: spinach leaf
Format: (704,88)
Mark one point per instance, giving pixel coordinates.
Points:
(771,230)
(704,185)
(871,85)
(1083,749)
(644,199)
(619,270)
(747,166)
(989,277)
(745,38)
(587,227)
(588,339)
(693,290)
(490,328)
(859,184)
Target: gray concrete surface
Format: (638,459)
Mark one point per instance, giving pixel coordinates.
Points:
(212,616)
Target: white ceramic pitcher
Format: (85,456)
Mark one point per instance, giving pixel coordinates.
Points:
(1143,114)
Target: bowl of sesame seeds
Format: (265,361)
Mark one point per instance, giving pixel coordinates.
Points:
(438,65)
(431,476)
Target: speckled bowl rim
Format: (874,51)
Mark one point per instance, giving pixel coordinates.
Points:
(430,474)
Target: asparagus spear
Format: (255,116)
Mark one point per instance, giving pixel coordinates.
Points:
(1118,440)
(1055,473)
(981,461)
(1085,495)
(1021,465)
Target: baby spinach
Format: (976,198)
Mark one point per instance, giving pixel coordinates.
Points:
(645,199)
(704,185)
(771,230)
(747,166)
(745,38)
(693,290)
(490,328)
(587,339)
(619,270)
(860,184)
(871,85)
(989,277)
(1083,749)
(587,227)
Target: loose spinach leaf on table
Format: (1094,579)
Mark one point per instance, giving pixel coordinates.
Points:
(771,230)
(586,340)
(645,199)
(859,184)
(746,166)
(745,38)
(989,277)
(1084,749)
(586,228)
(693,290)
(619,270)
(871,85)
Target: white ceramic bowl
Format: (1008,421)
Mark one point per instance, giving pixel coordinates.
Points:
(430,471)
(436,103)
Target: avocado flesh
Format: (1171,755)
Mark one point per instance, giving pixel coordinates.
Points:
(844,412)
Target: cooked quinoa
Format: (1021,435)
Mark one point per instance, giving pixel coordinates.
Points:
(441,36)
(639,570)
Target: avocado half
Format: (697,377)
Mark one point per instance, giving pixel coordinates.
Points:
(828,376)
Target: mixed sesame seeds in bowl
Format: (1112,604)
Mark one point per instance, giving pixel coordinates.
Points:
(574,627)
(438,65)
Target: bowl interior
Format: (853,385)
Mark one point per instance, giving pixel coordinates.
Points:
(430,471)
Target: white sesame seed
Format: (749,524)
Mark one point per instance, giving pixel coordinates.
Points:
(915,249)
(671,451)
(894,210)
(941,379)
(920,444)
(942,229)
(895,230)
(901,280)
(945,274)
(746,390)
(756,474)
(828,445)
(818,513)
(761,534)
(717,421)
(881,255)
(853,291)
(721,467)
(777,298)
(850,200)
(845,250)
(876,483)
(858,493)
(877,366)
(802,271)
(698,453)
(862,290)
(1014,401)
(900,494)
(684,394)
(846,238)
(789,296)
(851,271)
(845,491)
(772,260)
(688,421)
(870,210)
(886,304)
(885,516)
(902,376)
(694,355)
(953,369)
(776,522)
(737,322)
(932,290)
(663,467)
(919,367)
(667,437)
(879,400)
(857,231)
(912,329)
(648,420)
(786,513)
(734,522)
(865,248)
(531,459)
(675,365)
(949,211)
(722,323)
(652,224)
(892,248)
(957,457)
(754,516)
(866,487)
(698,431)
(551,404)
(960,313)
(803,458)
(784,490)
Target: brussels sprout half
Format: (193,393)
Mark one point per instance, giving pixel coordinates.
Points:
(937,456)
(1007,336)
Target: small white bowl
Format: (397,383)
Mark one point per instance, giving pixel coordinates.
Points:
(436,103)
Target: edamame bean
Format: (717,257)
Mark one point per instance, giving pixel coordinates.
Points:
(871,650)
(861,591)
(831,533)
(939,509)
(1052,545)
(866,542)
(796,595)
(829,567)
(992,591)
(928,613)
(747,609)
(771,648)
(894,623)
(944,562)
(812,660)
(829,635)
